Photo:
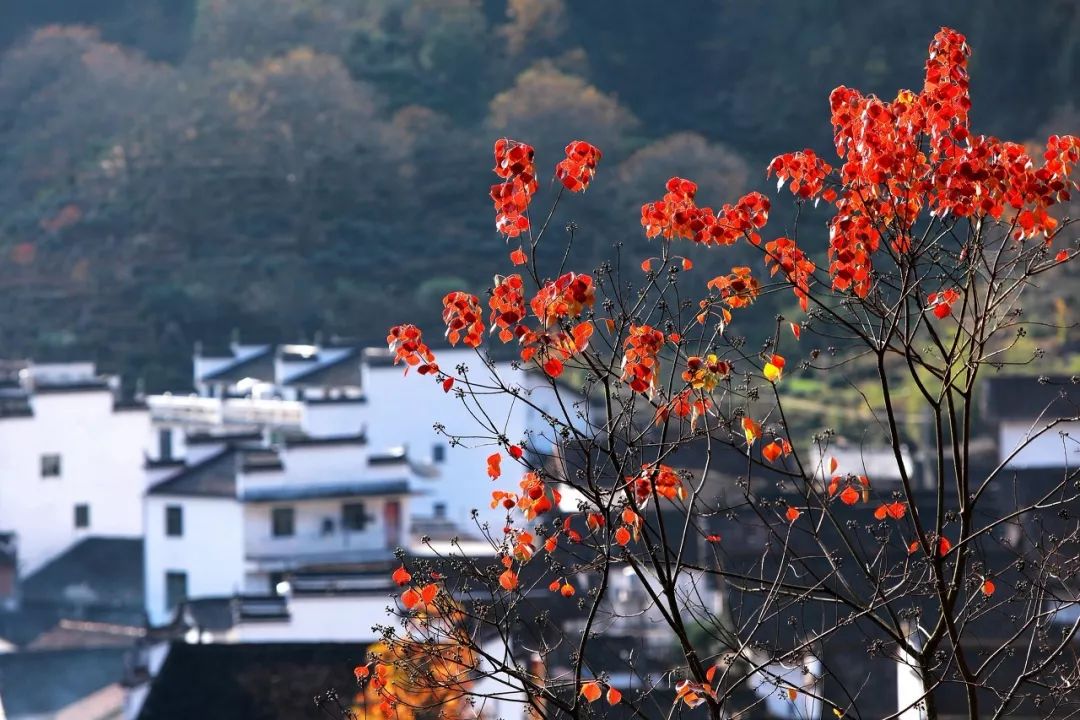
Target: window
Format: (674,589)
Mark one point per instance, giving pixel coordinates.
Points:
(175,589)
(50,465)
(174,521)
(438,452)
(283,522)
(328,526)
(82,516)
(354,517)
(165,444)
(440,510)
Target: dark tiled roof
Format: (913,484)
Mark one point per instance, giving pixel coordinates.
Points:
(263,681)
(306,441)
(1028,397)
(42,682)
(213,477)
(340,372)
(209,439)
(336,490)
(259,365)
(106,571)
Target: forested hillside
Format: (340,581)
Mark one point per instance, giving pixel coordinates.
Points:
(173,169)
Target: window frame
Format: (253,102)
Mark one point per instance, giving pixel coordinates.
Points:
(286,528)
(348,514)
(174,512)
(47,469)
(82,516)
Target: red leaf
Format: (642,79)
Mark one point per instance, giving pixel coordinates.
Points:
(796,330)
(614,697)
(515,451)
(849,496)
(361,672)
(493,466)
(410,599)
(712,538)
(428,593)
(687,264)
(447,384)
(508,580)
(553,367)
(591,691)
(988,587)
(401,576)
(622,536)
(517,257)
(792,514)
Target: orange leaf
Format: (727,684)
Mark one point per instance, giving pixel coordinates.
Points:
(614,697)
(1062,256)
(517,257)
(646,265)
(428,593)
(567,590)
(712,538)
(591,691)
(553,367)
(988,587)
(944,546)
(508,580)
(792,693)
(361,672)
(493,466)
(771,451)
(796,330)
(792,514)
(622,536)
(833,465)
(410,599)
(710,674)
(401,576)
(687,264)
(849,496)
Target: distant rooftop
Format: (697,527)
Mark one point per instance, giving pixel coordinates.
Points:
(1027,397)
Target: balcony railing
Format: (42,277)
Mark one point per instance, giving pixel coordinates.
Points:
(196,410)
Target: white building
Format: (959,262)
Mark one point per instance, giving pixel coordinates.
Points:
(71,459)
(244,518)
(323,391)
(1037,421)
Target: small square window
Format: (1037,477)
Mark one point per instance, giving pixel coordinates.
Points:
(82,516)
(174,521)
(283,522)
(354,517)
(438,452)
(440,510)
(50,465)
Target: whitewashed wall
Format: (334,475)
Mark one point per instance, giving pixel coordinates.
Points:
(210,551)
(1048,450)
(101,455)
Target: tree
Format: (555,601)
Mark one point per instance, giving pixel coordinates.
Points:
(763,584)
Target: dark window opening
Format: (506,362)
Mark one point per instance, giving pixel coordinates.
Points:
(438,452)
(174,521)
(175,589)
(82,516)
(283,522)
(354,517)
(50,465)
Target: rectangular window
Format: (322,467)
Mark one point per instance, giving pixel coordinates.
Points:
(82,516)
(175,589)
(283,522)
(354,517)
(438,452)
(50,465)
(165,444)
(174,521)
(392,522)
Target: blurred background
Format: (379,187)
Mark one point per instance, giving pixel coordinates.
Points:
(172,170)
